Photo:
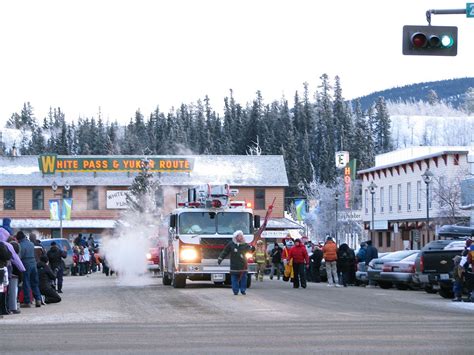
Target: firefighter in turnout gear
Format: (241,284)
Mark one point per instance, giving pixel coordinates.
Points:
(260,259)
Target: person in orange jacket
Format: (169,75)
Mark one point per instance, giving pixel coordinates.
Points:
(330,257)
(299,257)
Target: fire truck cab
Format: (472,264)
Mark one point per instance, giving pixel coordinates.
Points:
(199,229)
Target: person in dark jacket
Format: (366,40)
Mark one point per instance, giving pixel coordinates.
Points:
(370,254)
(275,255)
(55,257)
(237,248)
(5,256)
(16,278)
(345,259)
(315,263)
(30,276)
(300,258)
(46,278)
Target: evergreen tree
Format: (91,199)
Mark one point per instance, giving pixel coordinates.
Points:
(432,97)
(383,139)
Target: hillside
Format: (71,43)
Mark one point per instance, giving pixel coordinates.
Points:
(449,91)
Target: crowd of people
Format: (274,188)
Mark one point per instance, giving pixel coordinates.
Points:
(298,261)
(31,276)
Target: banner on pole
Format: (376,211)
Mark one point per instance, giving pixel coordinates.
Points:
(67,208)
(300,205)
(54,210)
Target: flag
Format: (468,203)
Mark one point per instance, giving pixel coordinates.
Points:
(54,210)
(300,209)
(67,208)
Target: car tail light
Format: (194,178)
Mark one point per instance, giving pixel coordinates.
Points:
(411,269)
(422,266)
(386,268)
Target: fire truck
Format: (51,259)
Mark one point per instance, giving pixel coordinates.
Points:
(199,229)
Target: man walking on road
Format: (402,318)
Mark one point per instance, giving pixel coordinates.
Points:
(275,254)
(330,256)
(300,258)
(237,248)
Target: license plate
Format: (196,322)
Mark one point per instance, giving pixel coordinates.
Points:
(444,276)
(218,277)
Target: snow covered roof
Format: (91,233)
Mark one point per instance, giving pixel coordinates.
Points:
(235,170)
(410,155)
(282,223)
(48,224)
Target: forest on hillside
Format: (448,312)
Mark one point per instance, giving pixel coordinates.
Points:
(306,130)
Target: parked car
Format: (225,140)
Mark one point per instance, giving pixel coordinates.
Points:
(153,260)
(435,266)
(62,244)
(375,266)
(361,272)
(399,273)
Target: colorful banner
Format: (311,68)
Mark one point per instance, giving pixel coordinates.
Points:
(54,210)
(300,209)
(67,209)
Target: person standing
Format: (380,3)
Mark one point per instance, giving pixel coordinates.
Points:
(330,257)
(46,277)
(16,278)
(370,254)
(300,259)
(275,255)
(316,259)
(30,276)
(261,260)
(345,260)
(55,257)
(5,257)
(237,248)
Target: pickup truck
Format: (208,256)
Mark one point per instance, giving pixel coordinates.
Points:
(434,270)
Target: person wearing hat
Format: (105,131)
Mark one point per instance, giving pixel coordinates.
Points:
(300,260)
(237,248)
(260,259)
(275,255)
(316,258)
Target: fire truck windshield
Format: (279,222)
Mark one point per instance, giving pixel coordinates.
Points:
(212,223)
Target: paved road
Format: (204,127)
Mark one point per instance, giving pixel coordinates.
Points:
(98,315)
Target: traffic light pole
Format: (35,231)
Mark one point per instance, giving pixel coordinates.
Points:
(444,12)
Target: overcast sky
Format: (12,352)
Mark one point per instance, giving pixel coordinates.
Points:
(124,55)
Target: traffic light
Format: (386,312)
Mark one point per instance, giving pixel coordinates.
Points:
(430,40)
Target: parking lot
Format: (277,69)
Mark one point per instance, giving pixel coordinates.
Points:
(99,315)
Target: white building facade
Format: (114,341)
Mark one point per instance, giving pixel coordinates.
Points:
(399,196)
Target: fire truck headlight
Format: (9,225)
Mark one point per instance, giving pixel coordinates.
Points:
(148,256)
(188,254)
(249,256)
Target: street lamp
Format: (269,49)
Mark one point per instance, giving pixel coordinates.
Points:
(336,198)
(66,187)
(372,188)
(427,178)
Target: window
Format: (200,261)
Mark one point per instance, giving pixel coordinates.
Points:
(67,193)
(382,202)
(38,199)
(259,199)
(408,196)
(399,197)
(366,199)
(418,195)
(92,199)
(390,198)
(380,239)
(9,199)
(389,240)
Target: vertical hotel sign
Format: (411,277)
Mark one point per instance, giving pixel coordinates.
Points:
(349,173)
(51,164)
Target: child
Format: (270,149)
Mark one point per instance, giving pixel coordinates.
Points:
(458,274)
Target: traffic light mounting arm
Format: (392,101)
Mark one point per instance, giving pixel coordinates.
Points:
(444,12)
